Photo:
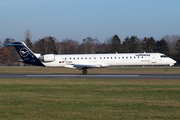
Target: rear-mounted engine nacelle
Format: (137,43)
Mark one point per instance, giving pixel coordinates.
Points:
(47,58)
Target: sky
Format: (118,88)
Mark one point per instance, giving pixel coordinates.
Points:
(79,19)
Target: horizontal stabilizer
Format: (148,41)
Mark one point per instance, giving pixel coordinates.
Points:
(15,44)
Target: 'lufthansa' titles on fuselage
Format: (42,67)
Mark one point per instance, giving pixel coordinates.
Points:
(142,54)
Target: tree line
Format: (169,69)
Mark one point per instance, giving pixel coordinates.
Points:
(168,45)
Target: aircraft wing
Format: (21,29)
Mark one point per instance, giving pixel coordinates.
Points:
(81,66)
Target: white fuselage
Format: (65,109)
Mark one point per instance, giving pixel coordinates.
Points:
(105,60)
(86,61)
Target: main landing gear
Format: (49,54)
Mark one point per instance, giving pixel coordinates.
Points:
(84,71)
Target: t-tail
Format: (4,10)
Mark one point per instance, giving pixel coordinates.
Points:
(26,54)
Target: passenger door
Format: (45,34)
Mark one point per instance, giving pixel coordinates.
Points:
(154,59)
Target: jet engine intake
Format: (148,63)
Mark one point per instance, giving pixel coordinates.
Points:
(47,58)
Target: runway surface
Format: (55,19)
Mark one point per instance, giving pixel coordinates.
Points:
(91,76)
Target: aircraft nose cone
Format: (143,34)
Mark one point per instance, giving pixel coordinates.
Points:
(174,61)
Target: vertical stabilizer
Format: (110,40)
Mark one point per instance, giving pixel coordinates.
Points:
(25,53)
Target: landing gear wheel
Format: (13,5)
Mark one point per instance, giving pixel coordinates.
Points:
(84,71)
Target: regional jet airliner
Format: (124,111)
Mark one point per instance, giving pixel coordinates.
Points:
(86,61)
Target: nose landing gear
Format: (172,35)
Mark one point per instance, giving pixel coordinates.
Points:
(84,71)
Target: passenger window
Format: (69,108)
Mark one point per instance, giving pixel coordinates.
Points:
(104,57)
(114,57)
(65,58)
(85,57)
(126,57)
(74,58)
(107,57)
(94,57)
(82,58)
(89,57)
(100,57)
(122,57)
(111,57)
(119,57)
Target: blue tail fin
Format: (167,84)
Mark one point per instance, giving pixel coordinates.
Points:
(26,54)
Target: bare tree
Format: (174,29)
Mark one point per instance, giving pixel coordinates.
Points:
(68,46)
(106,46)
(171,41)
(4,55)
(90,46)
(28,37)
(47,45)
(0,44)
(28,34)
(13,53)
(58,48)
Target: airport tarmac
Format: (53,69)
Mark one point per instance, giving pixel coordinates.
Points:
(91,76)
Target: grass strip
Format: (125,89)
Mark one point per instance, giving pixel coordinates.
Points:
(122,70)
(88,99)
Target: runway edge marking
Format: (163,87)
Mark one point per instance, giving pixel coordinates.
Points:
(82,75)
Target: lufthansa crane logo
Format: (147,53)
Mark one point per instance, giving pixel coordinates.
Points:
(24,52)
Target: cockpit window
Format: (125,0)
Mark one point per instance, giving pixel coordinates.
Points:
(163,56)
